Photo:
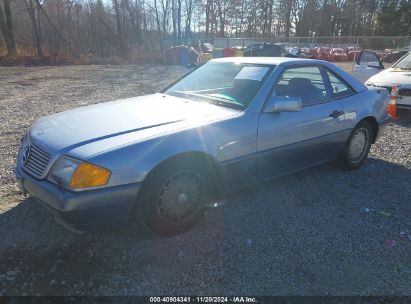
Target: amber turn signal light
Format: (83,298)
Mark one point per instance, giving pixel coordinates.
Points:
(88,175)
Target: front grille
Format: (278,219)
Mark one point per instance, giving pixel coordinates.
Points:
(37,161)
(404,92)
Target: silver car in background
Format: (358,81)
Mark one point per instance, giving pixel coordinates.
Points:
(230,123)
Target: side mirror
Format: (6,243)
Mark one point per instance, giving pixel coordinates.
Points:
(283,104)
(373,64)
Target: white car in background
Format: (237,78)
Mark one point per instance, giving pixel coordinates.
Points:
(369,69)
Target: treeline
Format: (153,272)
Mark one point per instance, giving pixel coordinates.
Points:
(127,28)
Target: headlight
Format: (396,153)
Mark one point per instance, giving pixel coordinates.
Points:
(71,173)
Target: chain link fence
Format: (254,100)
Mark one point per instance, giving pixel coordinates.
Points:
(389,49)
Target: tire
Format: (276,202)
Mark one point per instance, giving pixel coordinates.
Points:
(173,197)
(357,147)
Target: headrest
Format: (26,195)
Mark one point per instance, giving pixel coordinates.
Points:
(299,82)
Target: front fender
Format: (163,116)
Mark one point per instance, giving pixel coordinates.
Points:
(219,141)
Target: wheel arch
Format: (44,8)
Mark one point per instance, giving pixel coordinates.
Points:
(374,125)
(201,159)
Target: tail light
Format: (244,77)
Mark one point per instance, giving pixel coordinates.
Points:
(392,104)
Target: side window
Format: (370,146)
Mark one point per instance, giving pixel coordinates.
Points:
(305,82)
(339,88)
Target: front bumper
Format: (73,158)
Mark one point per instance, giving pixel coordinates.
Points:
(404,101)
(85,211)
(404,106)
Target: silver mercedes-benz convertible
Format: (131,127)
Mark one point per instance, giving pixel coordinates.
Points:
(229,123)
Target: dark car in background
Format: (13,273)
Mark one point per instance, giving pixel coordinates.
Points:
(265,50)
(293,52)
(393,56)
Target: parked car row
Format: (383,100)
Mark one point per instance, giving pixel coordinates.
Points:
(350,53)
(324,53)
(201,52)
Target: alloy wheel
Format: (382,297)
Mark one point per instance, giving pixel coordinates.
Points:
(179,196)
(358,145)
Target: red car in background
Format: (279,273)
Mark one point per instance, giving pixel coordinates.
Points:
(322,53)
(352,53)
(338,54)
(307,53)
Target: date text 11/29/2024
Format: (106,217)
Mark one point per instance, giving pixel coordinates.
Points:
(205,299)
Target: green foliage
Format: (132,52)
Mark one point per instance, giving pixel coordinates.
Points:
(394,19)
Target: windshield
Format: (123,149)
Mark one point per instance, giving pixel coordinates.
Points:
(404,63)
(227,84)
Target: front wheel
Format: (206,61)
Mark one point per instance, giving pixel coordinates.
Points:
(357,147)
(173,198)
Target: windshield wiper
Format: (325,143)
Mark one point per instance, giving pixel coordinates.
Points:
(227,104)
(225,98)
(217,100)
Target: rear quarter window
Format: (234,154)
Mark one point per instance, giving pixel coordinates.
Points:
(339,88)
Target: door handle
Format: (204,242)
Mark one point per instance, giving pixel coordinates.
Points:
(336,114)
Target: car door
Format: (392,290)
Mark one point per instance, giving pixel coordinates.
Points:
(289,141)
(368,64)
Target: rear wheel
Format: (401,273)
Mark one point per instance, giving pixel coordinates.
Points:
(173,198)
(357,147)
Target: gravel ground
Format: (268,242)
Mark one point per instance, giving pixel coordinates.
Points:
(321,231)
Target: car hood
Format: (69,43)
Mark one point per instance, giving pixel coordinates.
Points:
(120,122)
(392,76)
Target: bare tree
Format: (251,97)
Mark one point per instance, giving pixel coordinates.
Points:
(104,28)
(6,26)
(36,26)
(119,27)
(189,14)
